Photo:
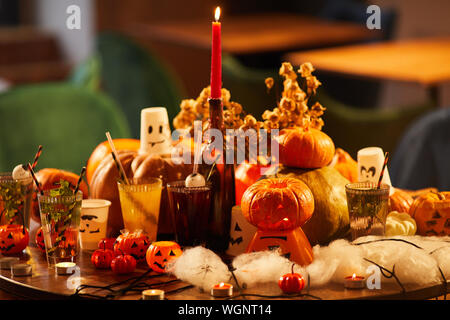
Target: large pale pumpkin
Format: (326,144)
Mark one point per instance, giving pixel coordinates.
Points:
(104,184)
(305,148)
(432,213)
(48,178)
(330,219)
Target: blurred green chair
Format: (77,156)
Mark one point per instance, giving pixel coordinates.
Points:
(68,121)
(351,128)
(132,76)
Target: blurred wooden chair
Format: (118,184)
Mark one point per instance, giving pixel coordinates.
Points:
(351,128)
(68,121)
(132,76)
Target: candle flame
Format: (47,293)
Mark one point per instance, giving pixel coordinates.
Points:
(354,276)
(221,284)
(217,14)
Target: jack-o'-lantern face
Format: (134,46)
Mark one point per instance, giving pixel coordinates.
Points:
(133,244)
(241,232)
(13,239)
(160,253)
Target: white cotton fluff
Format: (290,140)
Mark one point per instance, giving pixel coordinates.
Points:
(200,267)
(260,267)
(331,263)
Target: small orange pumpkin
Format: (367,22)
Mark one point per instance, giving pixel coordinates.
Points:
(160,253)
(13,238)
(305,148)
(400,201)
(134,244)
(345,164)
(278,204)
(247,174)
(104,149)
(432,213)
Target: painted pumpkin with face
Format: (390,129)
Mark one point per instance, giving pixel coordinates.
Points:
(13,239)
(432,213)
(134,244)
(278,204)
(40,240)
(160,253)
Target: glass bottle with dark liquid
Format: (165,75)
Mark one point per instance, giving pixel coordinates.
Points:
(221,178)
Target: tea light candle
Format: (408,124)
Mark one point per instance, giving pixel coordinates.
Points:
(354,282)
(21,269)
(153,294)
(222,290)
(64,268)
(7,262)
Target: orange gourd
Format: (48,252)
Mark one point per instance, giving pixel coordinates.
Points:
(305,148)
(104,149)
(345,164)
(245,175)
(400,201)
(134,244)
(432,213)
(13,239)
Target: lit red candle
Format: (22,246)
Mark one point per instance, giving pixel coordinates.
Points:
(216,58)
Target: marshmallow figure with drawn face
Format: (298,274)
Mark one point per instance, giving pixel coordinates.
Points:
(370,164)
(155,131)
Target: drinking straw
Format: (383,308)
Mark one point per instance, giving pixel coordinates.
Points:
(113,148)
(117,166)
(83,171)
(197,145)
(35,179)
(386,158)
(36,157)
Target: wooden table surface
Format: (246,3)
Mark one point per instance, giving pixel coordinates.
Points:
(259,33)
(45,284)
(424,61)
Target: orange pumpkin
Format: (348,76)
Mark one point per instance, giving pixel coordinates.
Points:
(160,253)
(48,178)
(247,174)
(104,149)
(305,148)
(400,201)
(278,204)
(432,213)
(134,244)
(13,238)
(104,184)
(345,164)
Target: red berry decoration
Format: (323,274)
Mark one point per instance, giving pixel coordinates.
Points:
(40,240)
(102,258)
(123,264)
(13,238)
(291,282)
(107,243)
(135,244)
